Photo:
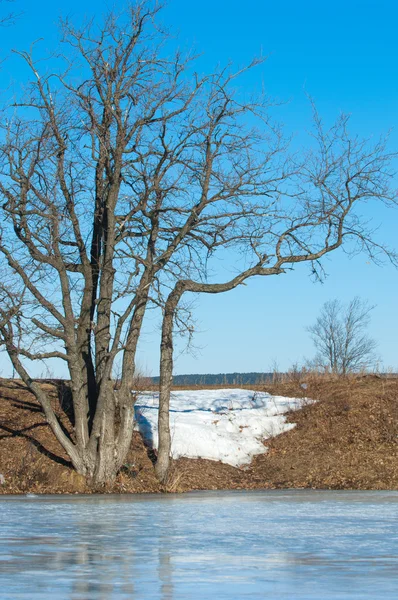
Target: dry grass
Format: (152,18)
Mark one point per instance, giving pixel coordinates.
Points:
(346,440)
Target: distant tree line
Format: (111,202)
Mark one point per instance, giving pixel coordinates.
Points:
(220,379)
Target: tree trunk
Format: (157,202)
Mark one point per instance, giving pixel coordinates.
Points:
(105,470)
(166,379)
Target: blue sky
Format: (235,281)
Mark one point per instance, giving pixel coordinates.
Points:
(345,55)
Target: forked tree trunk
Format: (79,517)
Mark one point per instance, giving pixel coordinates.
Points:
(99,460)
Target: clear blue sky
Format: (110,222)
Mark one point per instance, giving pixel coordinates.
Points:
(345,55)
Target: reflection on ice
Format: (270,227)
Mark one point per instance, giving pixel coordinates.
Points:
(226,544)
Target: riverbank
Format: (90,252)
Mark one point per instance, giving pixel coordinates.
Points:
(347,440)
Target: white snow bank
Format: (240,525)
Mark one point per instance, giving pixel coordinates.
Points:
(226,425)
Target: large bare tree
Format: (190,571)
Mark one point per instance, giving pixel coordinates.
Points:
(122,173)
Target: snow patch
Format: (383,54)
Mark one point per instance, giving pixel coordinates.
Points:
(228,425)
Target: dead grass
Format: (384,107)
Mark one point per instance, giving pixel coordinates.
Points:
(346,440)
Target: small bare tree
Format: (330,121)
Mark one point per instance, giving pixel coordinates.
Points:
(340,337)
(122,173)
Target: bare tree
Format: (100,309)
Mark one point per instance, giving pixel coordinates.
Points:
(122,173)
(339,335)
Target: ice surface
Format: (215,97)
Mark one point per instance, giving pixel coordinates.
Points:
(285,545)
(227,425)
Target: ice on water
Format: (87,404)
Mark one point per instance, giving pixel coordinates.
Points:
(290,545)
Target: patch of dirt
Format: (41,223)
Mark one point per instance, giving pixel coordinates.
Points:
(349,439)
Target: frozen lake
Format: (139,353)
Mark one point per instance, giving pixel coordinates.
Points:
(271,544)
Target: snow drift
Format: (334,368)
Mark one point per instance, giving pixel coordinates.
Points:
(227,425)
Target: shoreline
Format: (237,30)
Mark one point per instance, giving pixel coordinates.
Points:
(346,441)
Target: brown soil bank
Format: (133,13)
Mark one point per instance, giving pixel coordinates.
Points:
(349,439)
